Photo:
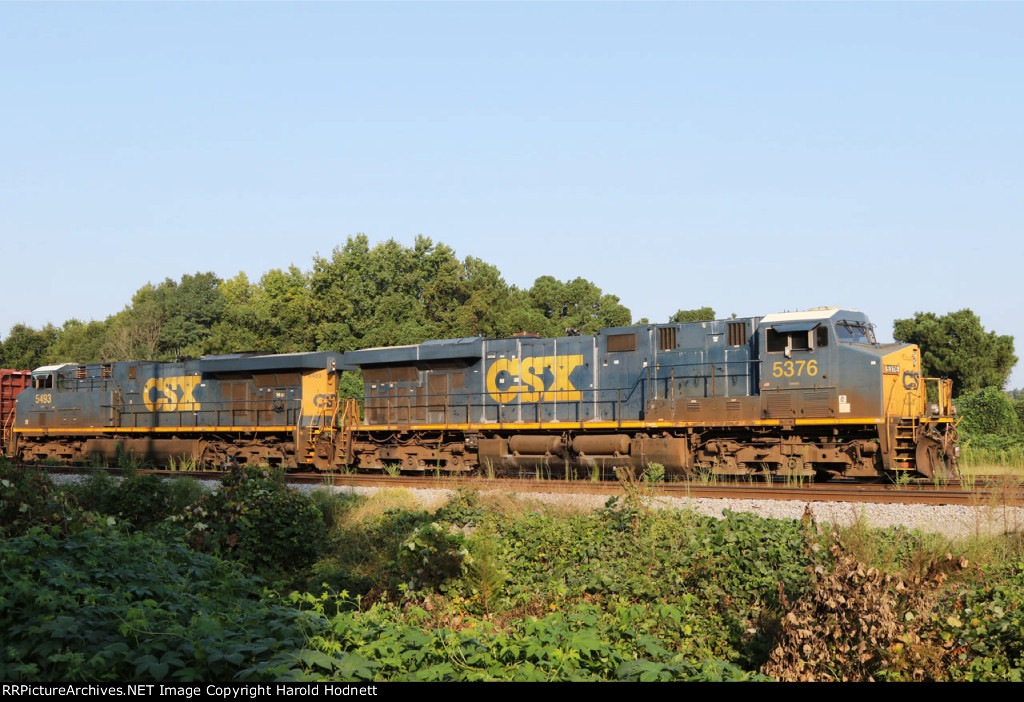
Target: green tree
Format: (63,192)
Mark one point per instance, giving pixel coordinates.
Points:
(392,294)
(957,346)
(167,320)
(78,342)
(191,308)
(134,332)
(238,328)
(576,307)
(27,348)
(274,315)
(704,314)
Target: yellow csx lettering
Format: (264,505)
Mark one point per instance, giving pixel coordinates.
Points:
(528,379)
(171,394)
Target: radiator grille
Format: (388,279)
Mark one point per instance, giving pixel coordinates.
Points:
(816,403)
(780,404)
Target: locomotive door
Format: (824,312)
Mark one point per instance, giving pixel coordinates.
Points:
(727,368)
(535,377)
(625,374)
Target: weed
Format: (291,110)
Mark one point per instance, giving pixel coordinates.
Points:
(129,462)
(183,463)
(706,473)
(654,474)
(333,505)
(900,479)
(997,508)
(484,573)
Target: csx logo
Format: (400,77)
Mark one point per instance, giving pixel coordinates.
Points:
(171,394)
(534,379)
(323,401)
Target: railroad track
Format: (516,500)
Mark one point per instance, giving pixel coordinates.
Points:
(979,492)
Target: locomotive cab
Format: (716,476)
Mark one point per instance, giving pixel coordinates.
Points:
(826,365)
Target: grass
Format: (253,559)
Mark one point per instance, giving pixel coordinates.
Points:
(990,452)
(991,468)
(912,552)
(185,463)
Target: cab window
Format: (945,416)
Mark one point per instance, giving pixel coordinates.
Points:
(854,333)
(822,337)
(778,342)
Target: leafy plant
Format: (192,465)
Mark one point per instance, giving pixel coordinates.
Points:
(104,605)
(138,500)
(255,518)
(28,499)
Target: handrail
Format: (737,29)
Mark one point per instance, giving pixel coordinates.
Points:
(399,406)
(8,431)
(221,413)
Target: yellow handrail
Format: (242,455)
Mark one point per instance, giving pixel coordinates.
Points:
(8,431)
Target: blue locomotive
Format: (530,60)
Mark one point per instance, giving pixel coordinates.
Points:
(213,411)
(799,393)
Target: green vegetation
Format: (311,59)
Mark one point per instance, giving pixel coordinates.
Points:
(704,314)
(991,430)
(256,519)
(486,587)
(141,501)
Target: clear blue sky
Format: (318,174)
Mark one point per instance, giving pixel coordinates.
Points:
(751,157)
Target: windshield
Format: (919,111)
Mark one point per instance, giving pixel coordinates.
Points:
(854,333)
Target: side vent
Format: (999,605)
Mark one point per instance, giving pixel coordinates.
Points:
(666,338)
(816,403)
(779,404)
(622,342)
(737,333)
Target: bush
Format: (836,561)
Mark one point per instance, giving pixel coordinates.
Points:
(114,606)
(987,411)
(583,643)
(28,499)
(256,519)
(139,500)
(981,628)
